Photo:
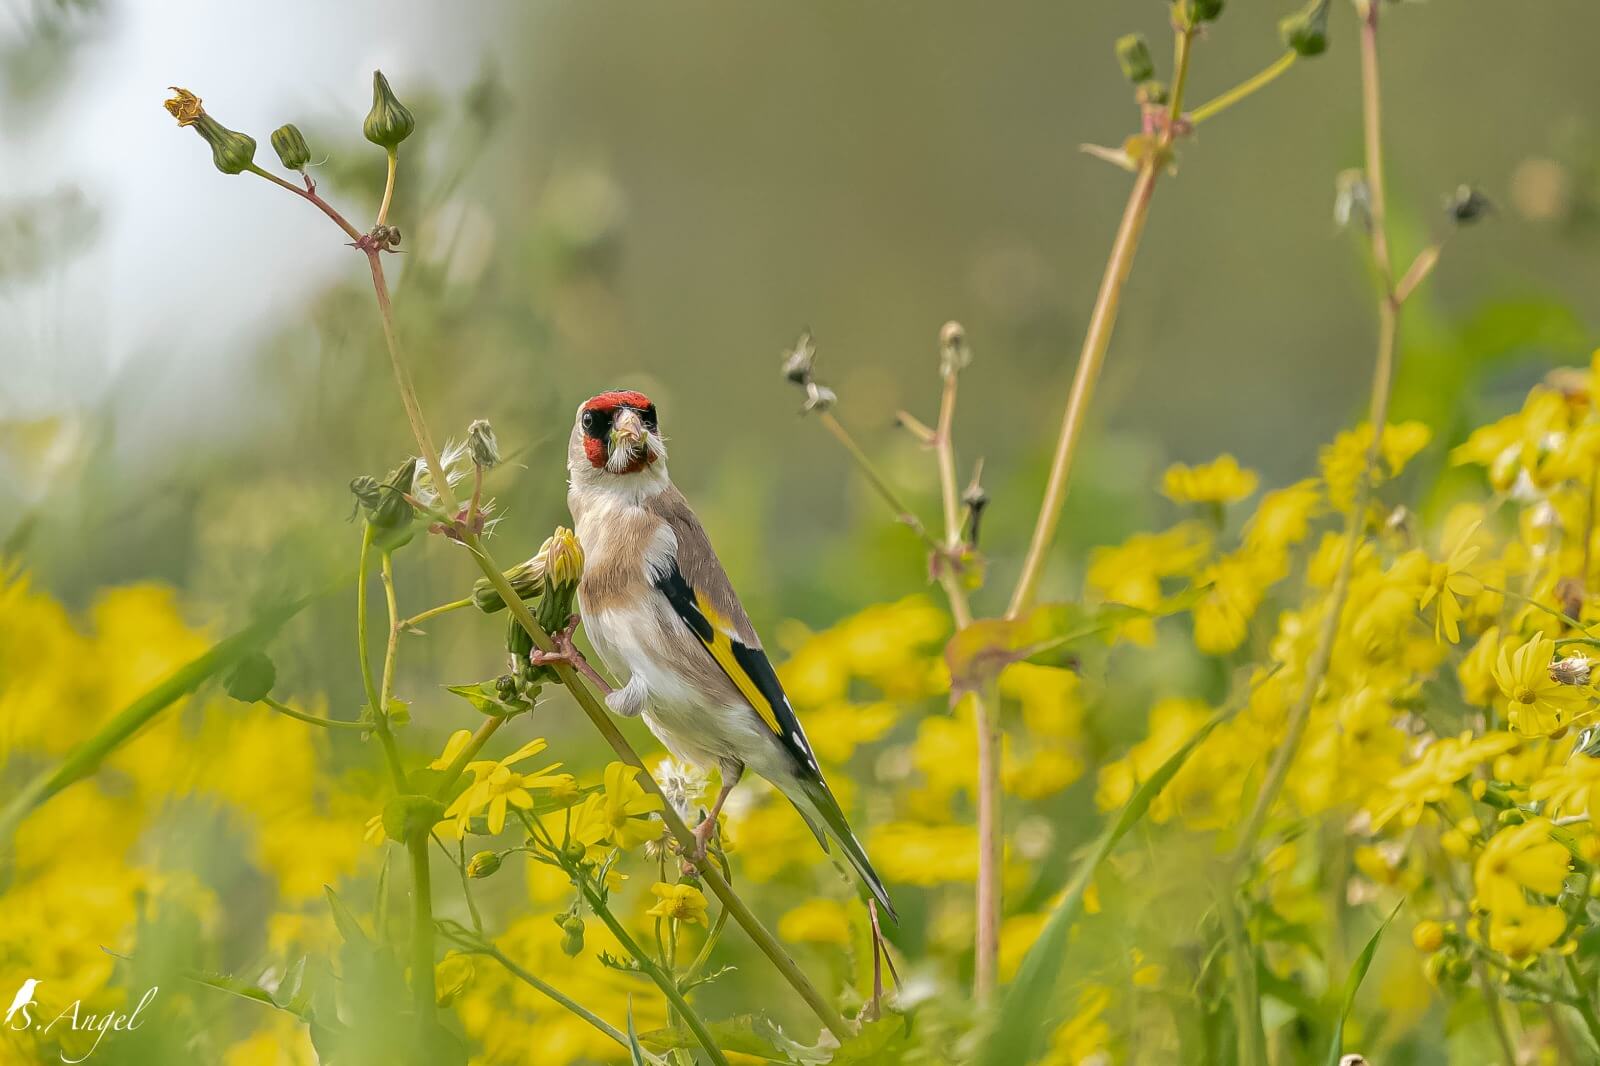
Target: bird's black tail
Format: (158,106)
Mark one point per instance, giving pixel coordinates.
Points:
(816,804)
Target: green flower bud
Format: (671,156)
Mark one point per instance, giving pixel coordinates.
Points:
(252,679)
(388,123)
(574,851)
(1198,11)
(1306,31)
(291,147)
(572,945)
(483,864)
(505,687)
(1134,56)
(481,445)
(232,152)
(385,504)
(572,924)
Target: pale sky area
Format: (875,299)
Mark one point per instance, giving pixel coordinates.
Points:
(153,282)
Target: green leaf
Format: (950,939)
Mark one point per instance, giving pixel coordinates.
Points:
(746,1034)
(350,928)
(1358,971)
(635,1052)
(485,696)
(1021,1025)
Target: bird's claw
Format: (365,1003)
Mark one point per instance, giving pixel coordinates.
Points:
(702,837)
(566,653)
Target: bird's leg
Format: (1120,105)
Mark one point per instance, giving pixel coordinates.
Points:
(708,828)
(880,955)
(567,652)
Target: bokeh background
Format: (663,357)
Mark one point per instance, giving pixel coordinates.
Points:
(662,197)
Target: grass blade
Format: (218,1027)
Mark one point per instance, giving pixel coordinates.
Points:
(1020,1028)
(1358,971)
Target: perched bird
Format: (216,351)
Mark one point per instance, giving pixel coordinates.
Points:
(663,617)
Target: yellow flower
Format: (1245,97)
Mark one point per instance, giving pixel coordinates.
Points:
(1236,583)
(1345,459)
(1572,787)
(617,814)
(1433,778)
(680,902)
(452,748)
(816,921)
(1283,517)
(1220,481)
(1449,580)
(1524,932)
(1520,857)
(1538,705)
(496,788)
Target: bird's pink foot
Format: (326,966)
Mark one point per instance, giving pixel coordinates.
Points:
(567,653)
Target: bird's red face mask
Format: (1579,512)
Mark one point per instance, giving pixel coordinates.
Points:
(619,432)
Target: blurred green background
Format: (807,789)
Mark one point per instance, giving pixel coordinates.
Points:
(662,196)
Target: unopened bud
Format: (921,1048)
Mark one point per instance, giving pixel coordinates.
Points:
(1467,204)
(563,558)
(1306,31)
(799,360)
(389,122)
(574,851)
(252,679)
(1428,937)
(1201,10)
(1574,670)
(954,355)
(572,945)
(388,509)
(505,688)
(1134,57)
(291,147)
(483,864)
(526,580)
(481,445)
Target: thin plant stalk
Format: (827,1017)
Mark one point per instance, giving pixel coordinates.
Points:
(1382,381)
(1582,1001)
(1215,106)
(434,612)
(380,714)
(301,716)
(1102,320)
(551,992)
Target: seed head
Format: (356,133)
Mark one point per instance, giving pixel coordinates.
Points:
(481,444)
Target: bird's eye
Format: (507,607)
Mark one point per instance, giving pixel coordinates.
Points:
(649,416)
(595,423)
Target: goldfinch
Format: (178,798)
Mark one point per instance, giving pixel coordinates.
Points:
(663,618)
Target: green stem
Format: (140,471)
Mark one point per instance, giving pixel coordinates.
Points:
(302,716)
(1378,416)
(1250,85)
(310,195)
(649,967)
(422,977)
(377,707)
(434,612)
(388,187)
(1583,1001)
(554,994)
